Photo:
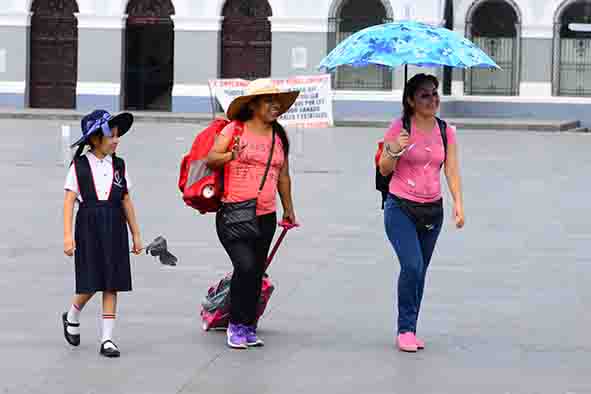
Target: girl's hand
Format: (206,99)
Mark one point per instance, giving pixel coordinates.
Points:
(69,246)
(138,246)
(459,216)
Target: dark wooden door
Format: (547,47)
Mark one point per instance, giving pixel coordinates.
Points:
(54,54)
(449,24)
(149,55)
(246,40)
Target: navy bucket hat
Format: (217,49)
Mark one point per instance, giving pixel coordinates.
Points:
(101,120)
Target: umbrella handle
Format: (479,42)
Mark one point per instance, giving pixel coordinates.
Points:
(405,74)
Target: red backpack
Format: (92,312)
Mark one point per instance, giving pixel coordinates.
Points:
(201,186)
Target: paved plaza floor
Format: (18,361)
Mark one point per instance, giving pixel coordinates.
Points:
(506,307)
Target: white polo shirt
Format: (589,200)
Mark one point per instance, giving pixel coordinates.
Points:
(102,172)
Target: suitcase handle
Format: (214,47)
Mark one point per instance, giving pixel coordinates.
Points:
(286,227)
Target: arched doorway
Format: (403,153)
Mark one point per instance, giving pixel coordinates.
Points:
(494,25)
(349,17)
(149,55)
(572,51)
(53,71)
(246,39)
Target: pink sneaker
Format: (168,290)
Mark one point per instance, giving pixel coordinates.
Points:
(407,342)
(420,344)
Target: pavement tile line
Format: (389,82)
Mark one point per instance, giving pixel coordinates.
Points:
(200,371)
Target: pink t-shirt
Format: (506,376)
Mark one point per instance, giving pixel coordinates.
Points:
(417,173)
(246,172)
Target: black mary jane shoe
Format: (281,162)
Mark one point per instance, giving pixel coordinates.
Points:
(73,340)
(109,352)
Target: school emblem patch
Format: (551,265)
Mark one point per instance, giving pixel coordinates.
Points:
(117,179)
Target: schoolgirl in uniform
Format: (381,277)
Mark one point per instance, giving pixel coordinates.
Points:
(98,182)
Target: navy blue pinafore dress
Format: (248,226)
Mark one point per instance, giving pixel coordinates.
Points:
(102,241)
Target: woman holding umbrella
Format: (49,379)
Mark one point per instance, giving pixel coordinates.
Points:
(413,212)
(414,154)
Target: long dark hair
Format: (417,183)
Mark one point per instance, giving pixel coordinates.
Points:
(410,89)
(246,114)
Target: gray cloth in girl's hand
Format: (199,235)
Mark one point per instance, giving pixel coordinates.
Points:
(159,247)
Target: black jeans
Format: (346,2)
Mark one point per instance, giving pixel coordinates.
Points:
(248,258)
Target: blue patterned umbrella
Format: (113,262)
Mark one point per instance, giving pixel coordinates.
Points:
(404,43)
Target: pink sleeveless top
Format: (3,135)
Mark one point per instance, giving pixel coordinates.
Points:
(247,170)
(417,176)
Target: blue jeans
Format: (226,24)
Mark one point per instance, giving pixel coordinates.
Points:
(414,250)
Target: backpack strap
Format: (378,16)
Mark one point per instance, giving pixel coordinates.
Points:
(406,124)
(237,131)
(443,129)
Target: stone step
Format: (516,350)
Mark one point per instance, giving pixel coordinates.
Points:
(173,117)
(579,130)
(480,124)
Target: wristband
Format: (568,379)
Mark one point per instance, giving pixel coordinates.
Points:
(392,154)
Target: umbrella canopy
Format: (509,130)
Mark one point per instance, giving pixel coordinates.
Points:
(404,43)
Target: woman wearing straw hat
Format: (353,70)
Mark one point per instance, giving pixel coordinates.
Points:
(255,148)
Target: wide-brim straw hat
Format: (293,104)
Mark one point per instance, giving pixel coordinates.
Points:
(261,87)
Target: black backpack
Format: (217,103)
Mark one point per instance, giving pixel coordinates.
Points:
(383,182)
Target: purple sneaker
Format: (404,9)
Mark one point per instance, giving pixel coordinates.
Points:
(251,337)
(236,336)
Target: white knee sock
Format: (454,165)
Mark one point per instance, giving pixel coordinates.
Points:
(108,325)
(74,317)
